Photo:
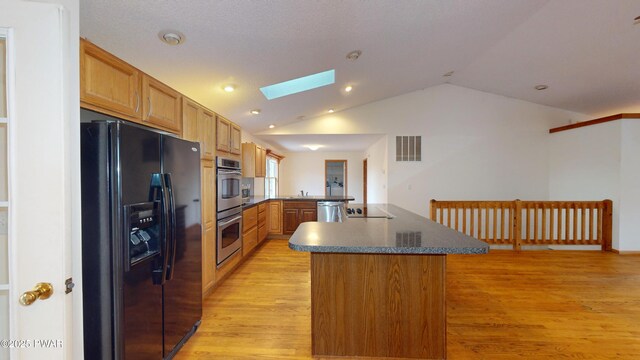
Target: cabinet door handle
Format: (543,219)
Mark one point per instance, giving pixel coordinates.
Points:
(149,101)
(137,101)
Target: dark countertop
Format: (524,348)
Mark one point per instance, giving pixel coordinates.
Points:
(255,200)
(406,233)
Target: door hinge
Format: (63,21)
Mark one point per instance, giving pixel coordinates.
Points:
(69,285)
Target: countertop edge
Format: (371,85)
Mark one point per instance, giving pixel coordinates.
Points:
(260,201)
(390,250)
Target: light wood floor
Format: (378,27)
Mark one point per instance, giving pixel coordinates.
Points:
(505,305)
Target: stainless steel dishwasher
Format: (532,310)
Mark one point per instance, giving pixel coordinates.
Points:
(331,211)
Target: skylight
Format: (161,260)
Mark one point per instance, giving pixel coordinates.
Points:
(299,85)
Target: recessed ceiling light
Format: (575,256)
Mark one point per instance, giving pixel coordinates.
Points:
(255,111)
(313,147)
(541,87)
(271,126)
(354,55)
(229,88)
(330,111)
(450,73)
(636,21)
(348,88)
(171,37)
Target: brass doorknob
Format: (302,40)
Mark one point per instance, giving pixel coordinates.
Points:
(42,291)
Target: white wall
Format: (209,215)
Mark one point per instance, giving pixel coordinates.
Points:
(377,166)
(629,204)
(476,145)
(601,162)
(305,171)
(584,164)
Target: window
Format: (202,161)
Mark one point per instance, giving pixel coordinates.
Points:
(271,179)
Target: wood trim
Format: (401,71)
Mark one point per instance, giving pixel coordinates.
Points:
(595,121)
(274,155)
(364,181)
(625,252)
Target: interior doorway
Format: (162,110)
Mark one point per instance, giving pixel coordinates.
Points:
(335,177)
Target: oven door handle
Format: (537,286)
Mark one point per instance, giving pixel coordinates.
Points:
(229,172)
(230,221)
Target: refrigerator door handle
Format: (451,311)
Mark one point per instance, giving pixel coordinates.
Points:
(172,234)
(158,184)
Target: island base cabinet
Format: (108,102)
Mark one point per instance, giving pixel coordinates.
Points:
(378,305)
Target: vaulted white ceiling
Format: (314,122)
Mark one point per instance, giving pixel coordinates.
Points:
(586,51)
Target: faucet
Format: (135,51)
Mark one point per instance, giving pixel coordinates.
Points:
(301,193)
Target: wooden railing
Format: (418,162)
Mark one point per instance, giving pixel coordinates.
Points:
(519,223)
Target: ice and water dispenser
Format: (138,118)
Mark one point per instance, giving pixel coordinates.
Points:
(142,223)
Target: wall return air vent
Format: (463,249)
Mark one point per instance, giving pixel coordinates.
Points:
(408,148)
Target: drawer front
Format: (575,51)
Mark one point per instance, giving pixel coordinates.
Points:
(262,207)
(249,218)
(249,241)
(304,204)
(262,233)
(262,218)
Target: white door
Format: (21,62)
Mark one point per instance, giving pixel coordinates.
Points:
(39,174)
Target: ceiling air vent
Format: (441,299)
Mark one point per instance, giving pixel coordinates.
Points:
(408,148)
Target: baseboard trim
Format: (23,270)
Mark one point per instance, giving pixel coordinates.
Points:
(625,252)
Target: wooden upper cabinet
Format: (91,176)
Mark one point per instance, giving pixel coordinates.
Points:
(108,83)
(198,124)
(254,159)
(190,128)
(248,160)
(207,128)
(223,134)
(161,105)
(263,162)
(236,138)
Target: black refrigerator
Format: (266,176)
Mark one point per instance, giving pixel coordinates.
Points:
(141,241)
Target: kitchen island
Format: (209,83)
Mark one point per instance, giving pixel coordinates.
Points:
(378,284)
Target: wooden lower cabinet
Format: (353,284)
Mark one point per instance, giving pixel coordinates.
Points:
(209,229)
(262,233)
(290,221)
(295,213)
(308,215)
(274,225)
(262,222)
(249,240)
(208,258)
(249,230)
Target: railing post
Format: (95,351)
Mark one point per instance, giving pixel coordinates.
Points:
(607,225)
(432,210)
(517,224)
